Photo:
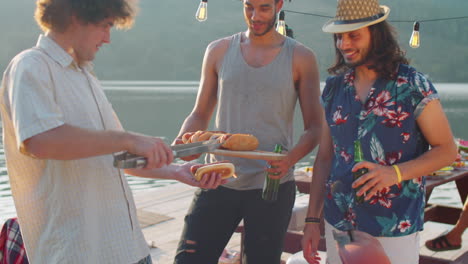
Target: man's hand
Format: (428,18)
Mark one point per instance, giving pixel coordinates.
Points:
(208,181)
(153,149)
(310,242)
(377,178)
(278,168)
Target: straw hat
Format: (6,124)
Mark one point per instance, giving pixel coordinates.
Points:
(356,14)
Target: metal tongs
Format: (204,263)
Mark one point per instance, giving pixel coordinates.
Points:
(127,160)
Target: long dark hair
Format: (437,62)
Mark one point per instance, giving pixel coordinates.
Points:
(384,55)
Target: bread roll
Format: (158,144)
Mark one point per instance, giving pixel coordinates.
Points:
(242,142)
(206,135)
(200,135)
(186,137)
(195,136)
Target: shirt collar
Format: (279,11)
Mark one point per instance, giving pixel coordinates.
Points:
(57,53)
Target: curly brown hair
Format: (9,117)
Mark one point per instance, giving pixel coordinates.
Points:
(384,55)
(55,15)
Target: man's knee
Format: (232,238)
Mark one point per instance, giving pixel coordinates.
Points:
(188,246)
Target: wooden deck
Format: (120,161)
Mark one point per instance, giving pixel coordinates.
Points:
(170,204)
(434,229)
(171,201)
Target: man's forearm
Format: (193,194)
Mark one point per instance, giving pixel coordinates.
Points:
(68,142)
(322,169)
(193,123)
(307,142)
(317,190)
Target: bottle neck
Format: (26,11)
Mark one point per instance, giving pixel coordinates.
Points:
(358,157)
(278,148)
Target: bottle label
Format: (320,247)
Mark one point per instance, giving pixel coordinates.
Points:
(356,175)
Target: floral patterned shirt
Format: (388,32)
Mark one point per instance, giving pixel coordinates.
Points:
(386,126)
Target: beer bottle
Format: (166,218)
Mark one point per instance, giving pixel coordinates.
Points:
(358,157)
(271,186)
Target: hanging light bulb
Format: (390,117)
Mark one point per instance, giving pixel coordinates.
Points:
(281,25)
(202,11)
(414,40)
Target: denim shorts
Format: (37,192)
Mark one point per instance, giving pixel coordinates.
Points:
(215,214)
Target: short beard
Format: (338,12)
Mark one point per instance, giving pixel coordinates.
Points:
(268,29)
(356,64)
(362,62)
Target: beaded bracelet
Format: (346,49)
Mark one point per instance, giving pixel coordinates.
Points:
(398,173)
(312,220)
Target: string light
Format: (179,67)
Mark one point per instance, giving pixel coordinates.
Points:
(281,25)
(415,37)
(410,21)
(414,40)
(202,11)
(202,14)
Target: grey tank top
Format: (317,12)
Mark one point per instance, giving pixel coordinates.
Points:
(258,101)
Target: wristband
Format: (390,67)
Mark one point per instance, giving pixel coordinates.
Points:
(398,172)
(312,220)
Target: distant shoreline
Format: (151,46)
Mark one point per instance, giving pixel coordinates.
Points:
(188,86)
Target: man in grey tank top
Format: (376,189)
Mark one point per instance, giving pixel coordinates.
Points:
(253,79)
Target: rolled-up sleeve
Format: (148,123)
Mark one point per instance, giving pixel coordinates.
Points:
(31,91)
(425,92)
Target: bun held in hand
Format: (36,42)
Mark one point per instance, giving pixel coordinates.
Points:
(226,170)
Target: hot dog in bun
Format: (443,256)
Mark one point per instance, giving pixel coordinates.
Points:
(226,170)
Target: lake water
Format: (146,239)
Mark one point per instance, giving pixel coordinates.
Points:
(158,108)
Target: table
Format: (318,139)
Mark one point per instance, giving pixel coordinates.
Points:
(433,212)
(442,213)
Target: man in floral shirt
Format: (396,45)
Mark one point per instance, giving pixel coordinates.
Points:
(394,111)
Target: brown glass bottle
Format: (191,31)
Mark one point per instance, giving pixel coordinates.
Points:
(358,157)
